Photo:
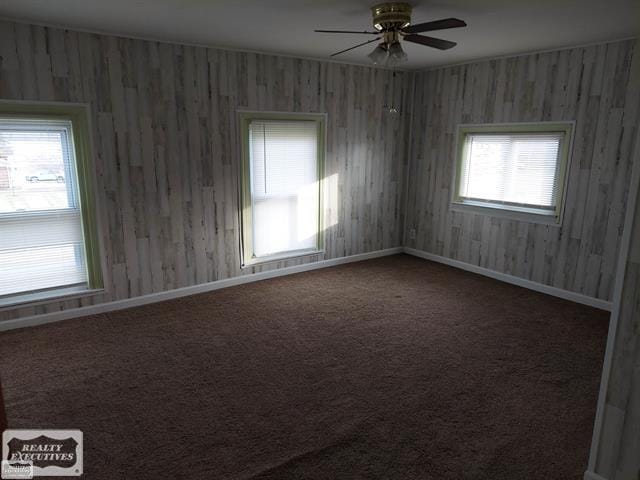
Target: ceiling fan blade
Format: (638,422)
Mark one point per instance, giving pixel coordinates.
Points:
(436,25)
(346,31)
(356,46)
(430,42)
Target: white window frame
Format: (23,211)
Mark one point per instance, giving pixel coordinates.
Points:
(247,255)
(529,214)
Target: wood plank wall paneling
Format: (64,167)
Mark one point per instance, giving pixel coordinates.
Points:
(597,87)
(618,456)
(166,148)
(166,151)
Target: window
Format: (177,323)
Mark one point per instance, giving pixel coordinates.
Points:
(281,175)
(48,242)
(513,168)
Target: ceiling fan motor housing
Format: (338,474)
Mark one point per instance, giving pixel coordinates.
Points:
(391,16)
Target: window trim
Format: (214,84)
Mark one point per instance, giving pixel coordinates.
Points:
(78,115)
(524,213)
(247,257)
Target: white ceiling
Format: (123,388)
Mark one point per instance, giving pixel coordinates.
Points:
(495,27)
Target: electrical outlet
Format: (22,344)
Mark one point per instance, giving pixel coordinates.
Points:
(412,234)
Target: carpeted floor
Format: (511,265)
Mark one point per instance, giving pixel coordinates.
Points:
(394,368)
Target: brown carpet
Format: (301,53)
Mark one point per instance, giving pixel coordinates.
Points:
(394,368)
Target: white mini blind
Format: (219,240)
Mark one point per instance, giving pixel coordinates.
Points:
(511,169)
(41,240)
(284,185)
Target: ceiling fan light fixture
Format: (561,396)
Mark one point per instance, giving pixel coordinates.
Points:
(379,54)
(396,55)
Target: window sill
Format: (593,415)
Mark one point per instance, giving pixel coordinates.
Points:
(522,214)
(281,257)
(53,295)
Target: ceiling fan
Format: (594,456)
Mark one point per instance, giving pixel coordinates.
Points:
(392,23)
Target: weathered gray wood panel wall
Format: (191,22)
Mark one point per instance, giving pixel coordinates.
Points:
(618,455)
(595,86)
(166,147)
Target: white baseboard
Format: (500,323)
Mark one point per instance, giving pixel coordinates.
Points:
(185,291)
(521,282)
(254,277)
(592,476)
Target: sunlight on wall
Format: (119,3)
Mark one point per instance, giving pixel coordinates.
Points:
(331,200)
